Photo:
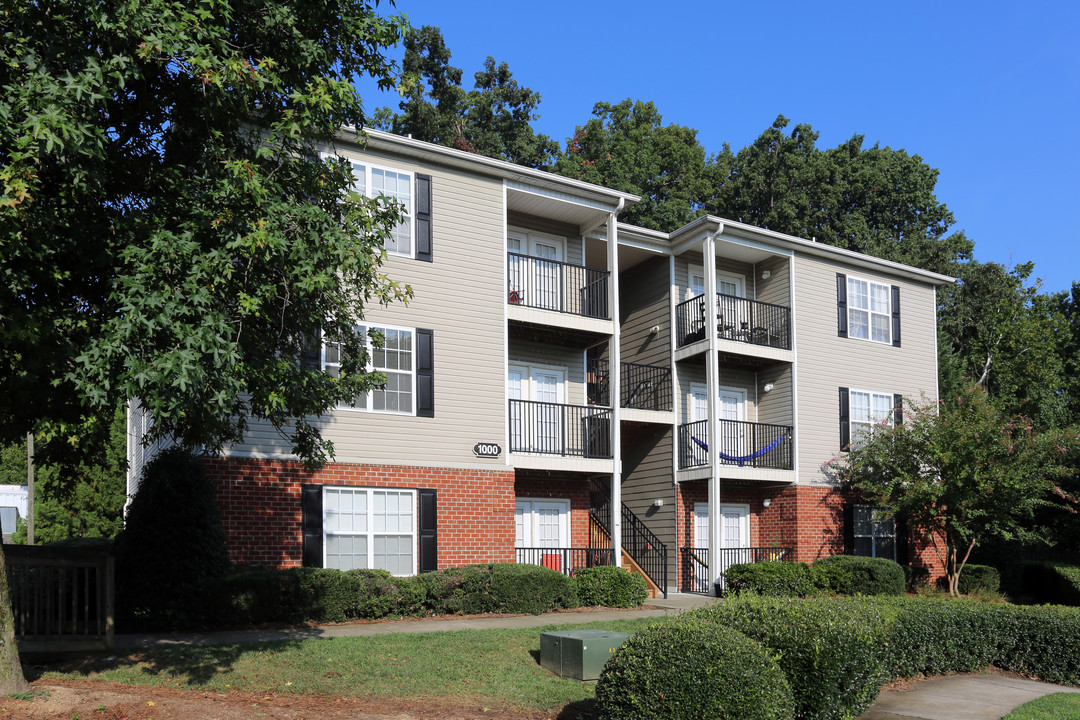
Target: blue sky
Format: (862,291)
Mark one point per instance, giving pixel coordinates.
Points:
(987,92)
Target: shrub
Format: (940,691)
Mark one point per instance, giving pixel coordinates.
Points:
(609,586)
(865,575)
(775,578)
(916,576)
(1043,641)
(1051,582)
(327,595)
(507,588)
(834,652)
(172,546)
(979,578)
(692,669)
(933,636)
(250,595)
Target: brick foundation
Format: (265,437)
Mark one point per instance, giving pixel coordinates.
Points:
(260,507)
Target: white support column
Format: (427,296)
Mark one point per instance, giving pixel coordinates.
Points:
(712,375)
(615,388)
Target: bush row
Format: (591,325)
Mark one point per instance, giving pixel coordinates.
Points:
(835,575)
(251,595)
(835,653)
(1052,582)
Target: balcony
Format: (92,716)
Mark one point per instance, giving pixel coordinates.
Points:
(744,444)
(560,287)
(544,428)
(737,319)
(644,387)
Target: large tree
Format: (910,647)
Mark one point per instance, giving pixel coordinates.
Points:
(493,119)
(168,227)
(963,472)
(875,200)
(628,147)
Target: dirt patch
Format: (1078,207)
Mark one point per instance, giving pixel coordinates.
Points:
(113,701)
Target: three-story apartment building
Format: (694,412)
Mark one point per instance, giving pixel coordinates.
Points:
(568,390)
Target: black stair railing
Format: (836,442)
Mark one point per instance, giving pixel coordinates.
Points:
(640,543)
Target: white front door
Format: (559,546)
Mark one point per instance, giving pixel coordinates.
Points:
(535,280)
(546,274)
(732,434)
(541,530)
(734,545)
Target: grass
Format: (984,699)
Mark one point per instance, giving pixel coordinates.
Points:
(497,668)
(1058,706)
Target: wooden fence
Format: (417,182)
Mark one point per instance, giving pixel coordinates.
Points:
(62,598)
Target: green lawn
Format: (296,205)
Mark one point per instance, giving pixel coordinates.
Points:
(498,668)
(1059,706)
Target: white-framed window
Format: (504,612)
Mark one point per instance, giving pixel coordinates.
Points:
(536,425)
(867,411)
(874,532)
(373,180)
(396,359)
(869,310)
(726,283)
(370,528)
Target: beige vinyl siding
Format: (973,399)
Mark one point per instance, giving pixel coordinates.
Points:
(524,352)
(647,478)
(776,407)
(776,289)
(682,273)
(460,297)
(644,303)
(693,373)
(827,362)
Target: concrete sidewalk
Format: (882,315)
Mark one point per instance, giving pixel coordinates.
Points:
(971,696)
(674,604)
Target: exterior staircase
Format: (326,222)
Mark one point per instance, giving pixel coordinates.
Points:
(642,551)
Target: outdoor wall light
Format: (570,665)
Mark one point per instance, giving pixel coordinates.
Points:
(766,274)
(768,387)
(658,503)
(767,502)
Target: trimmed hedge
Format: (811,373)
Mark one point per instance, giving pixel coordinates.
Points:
(610,587)
(254,595)
(976,578)
(692,669)
(833,651)
(775,578)
(862,576)
(1051,582)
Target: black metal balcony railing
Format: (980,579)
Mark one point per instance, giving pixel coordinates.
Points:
(644,387)
(552,285)
(558,429)
(745,444)
(737,319)
(565,560)
(694,563)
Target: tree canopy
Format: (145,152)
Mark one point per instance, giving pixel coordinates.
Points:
(493,119)
(168,228)
(963,472)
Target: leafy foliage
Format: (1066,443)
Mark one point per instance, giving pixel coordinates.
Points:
(774,578)
(627,147)
(492,119)
(961,472)
(609,586)
(864,575)
(833,652)
(168,230)
(692,669)
(172,546)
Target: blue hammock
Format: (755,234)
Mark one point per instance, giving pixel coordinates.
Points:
(743,458)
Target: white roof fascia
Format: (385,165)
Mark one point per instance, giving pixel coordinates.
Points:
(379,140)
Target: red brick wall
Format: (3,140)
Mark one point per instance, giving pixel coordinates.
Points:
(574,490)
(260,507)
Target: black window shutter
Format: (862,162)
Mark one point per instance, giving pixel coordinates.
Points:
(423,217)
(849,528)
(311,523)
(845,420)
(895,316)
(903,542)
(425,373)
(311,354)
(898,410)
(428,528)
(841,305)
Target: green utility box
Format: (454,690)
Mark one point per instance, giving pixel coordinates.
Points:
(578,654)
